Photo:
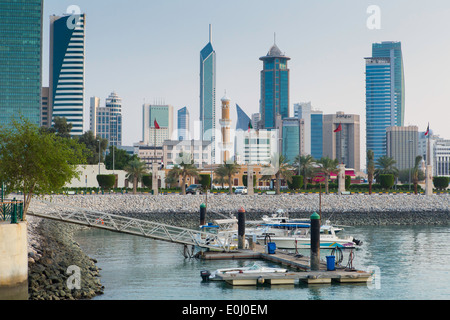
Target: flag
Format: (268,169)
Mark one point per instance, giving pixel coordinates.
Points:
(156,125)
(428,130)
(339,128)
(250,126)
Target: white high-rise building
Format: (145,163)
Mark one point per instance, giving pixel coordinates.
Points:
(106,121)
(161,115)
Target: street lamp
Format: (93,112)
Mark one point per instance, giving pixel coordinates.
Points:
(410,141)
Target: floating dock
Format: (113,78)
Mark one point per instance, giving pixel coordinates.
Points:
(297,262)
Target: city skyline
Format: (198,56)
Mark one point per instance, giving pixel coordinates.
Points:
(327,44)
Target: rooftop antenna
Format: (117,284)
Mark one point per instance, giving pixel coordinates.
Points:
(210,33)
(275,38)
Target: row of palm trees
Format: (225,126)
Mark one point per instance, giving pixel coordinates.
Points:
(278,167)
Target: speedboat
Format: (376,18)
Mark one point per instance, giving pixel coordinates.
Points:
(301,239)
(253,268)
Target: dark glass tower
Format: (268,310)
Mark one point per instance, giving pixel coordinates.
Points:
(274,87)
(20,60)
(242,119)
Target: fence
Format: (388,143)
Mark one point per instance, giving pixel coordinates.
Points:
(11,210)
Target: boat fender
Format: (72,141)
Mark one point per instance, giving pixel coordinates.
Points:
(205,275)
(260,280)
(357,242)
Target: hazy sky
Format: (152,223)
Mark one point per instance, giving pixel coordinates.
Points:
(149,50)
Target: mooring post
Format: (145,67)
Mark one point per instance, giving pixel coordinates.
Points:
(315,242)
(241,228)
(202,214)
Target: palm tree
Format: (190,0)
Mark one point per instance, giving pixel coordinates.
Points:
(415,173)
(386,165)
(228,170)
(370,168)
(280,168)
(327,167)
(184,170)
(220,176)
(135,169)
(305,167)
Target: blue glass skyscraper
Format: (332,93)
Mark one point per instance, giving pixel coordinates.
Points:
(384,94)
(67,35)
(20,60)
(274,87)
(183,124)
(242,119)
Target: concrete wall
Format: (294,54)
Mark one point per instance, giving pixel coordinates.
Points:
(13,254)
(88,176)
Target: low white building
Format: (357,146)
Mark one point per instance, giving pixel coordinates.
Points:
(88,177)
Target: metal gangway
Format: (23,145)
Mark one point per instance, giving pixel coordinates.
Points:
(137,227)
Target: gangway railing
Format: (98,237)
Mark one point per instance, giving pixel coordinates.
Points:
(138,227)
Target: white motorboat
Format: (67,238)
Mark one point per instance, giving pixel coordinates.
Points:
(253,268)
(301,239)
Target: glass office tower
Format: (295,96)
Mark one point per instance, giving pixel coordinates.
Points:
(208,94)
(183,124)
(385,94)
(274,87)
(243,119)
(393,50)
(20,60)
(67,35)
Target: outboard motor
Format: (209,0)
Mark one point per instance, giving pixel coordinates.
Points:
(357,242)
(205,275)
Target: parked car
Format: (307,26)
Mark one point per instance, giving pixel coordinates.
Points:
(240,190)
(194,188)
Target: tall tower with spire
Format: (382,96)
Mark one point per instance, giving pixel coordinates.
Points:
(208,93)
(274,87)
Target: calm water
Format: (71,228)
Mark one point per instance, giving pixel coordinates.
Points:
(410,263)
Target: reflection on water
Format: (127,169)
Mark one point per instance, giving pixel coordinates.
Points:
(409,262)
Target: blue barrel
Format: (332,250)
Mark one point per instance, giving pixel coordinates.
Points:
(331,261)
(271,247)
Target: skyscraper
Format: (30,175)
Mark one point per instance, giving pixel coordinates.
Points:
(343,144)
(393,50)
(402,145)
(292,138)
(163,115)
(208,93)
(20,60)
(385,94)
(67,34)
(106,121)
(274,87)
(242,119)
(183,124)
(313,128)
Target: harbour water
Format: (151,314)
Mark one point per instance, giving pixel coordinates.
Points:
(410,263)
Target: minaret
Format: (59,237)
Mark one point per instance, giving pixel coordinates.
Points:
(225,123)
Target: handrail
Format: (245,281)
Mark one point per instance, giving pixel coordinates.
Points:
(11,210)
(117,223)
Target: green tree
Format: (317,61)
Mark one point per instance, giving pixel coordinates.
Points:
(106,181)
(229,170)
(441,183)
(416,173)
(386,165)
(120,158)
(62,127)
(327,167)
(135,170)
(36,162)
(92,145)
(305,165)
(147,180)
(205,181)
(280,168)
(370,168)
(184,168)
(220,176)
(296,183)
(386,180)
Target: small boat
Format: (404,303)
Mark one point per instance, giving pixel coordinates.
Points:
(253,268)
(301,239)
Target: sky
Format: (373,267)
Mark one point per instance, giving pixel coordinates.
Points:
(149,51)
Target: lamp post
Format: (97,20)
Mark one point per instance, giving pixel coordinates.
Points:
(99,153)
(410,151)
